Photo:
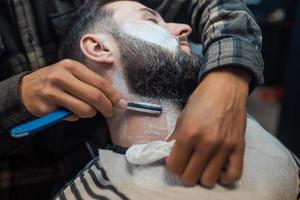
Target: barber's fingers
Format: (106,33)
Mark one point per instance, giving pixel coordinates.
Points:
(177,130)
(214,167)
(179,157)
(234,169)
(87,93)
(72,118)
(75,105)
(196,165)
(88,76)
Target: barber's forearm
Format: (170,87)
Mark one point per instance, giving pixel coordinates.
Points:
(238,79)
(12,111)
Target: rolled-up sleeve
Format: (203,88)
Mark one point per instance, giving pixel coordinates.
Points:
(227,30)
(230,37)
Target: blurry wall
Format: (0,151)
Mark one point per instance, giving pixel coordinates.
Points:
(280,24)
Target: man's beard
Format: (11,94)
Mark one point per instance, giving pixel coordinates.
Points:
(153,71)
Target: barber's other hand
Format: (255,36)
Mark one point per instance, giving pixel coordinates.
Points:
(71,85)
(210,132)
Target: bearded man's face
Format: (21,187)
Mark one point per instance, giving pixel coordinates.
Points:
(154,71)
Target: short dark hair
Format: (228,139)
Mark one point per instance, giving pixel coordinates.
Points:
(91,17)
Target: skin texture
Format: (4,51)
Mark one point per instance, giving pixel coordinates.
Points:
(209,132)
(71,85)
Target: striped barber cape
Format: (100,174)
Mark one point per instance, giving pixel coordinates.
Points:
(91,183)
(110,176)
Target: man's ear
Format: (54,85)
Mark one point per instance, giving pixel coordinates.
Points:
(96,48)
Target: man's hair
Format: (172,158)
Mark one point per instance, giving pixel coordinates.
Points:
(91,17)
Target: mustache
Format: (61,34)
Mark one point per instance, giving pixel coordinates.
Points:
(182,40)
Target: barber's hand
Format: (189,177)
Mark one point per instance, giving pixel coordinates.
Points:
(210,132)
(71,85)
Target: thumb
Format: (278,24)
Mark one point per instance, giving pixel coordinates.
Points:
(173,135)
(170,137)
(115,97)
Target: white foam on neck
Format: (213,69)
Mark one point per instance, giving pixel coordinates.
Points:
(119,83)
(151,33)
(172,111)
(154,127)
(164,124)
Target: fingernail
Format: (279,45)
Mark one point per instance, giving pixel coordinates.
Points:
(122,105)
(110,115)
(224,183)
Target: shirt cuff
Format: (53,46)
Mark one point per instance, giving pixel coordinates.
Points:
(234,52)
(14,110)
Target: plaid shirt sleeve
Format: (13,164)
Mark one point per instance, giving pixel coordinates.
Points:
(227,30)
(12,111)
(230,37)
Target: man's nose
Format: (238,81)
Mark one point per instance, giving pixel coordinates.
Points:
(179,30)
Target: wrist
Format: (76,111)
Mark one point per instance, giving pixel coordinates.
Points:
(25,95)
(14,110)
(230,77)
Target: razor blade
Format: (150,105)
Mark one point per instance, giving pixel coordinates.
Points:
(46,121)
(145,108)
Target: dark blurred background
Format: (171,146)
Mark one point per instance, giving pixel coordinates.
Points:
(276,104)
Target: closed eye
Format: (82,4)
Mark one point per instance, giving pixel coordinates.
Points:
(153,20)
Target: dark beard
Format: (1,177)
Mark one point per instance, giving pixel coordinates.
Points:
(153,71)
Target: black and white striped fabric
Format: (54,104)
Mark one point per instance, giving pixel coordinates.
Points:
(91,183)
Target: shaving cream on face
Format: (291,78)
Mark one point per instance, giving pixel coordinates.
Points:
(118,124)
(163,125)
(127,128)
(172,111)
(119,83)
(152,33)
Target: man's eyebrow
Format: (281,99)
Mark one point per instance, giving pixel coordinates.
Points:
(150,11)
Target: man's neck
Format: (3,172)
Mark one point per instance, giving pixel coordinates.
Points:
(131,127)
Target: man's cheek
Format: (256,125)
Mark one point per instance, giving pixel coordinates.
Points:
(151,33)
